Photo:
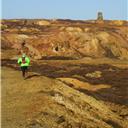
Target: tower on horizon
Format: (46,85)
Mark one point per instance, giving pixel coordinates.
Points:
(100,16)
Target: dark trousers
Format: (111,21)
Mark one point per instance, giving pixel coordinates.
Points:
(24,70)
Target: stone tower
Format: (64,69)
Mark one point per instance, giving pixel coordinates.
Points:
(100,16)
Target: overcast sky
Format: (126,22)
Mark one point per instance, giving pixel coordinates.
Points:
(64,9)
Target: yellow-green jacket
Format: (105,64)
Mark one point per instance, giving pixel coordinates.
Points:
(26,63)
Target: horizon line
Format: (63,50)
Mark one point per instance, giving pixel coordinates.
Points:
(57,19)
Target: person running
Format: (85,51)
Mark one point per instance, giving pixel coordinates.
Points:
(24,62)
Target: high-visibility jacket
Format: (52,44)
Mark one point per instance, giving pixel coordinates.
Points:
(24,62)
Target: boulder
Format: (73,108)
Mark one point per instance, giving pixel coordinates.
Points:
(43,23)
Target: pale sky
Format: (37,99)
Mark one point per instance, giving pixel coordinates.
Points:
(64,9)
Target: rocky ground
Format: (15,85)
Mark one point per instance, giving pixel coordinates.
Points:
(68,38)
(68,85)
(65,94)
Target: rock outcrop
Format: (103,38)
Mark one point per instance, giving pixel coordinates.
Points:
(75,39)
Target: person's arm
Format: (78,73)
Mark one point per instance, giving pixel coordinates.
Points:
(28,60)
(19,61)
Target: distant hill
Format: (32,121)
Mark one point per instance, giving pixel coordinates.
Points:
(69,38)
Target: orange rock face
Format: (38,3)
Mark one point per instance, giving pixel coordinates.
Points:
(68,38)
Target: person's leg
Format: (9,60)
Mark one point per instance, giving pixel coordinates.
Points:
(23,71)
(26,70)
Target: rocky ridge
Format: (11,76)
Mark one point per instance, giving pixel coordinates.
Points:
(68,38)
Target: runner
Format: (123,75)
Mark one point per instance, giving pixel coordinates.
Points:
(24,62)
